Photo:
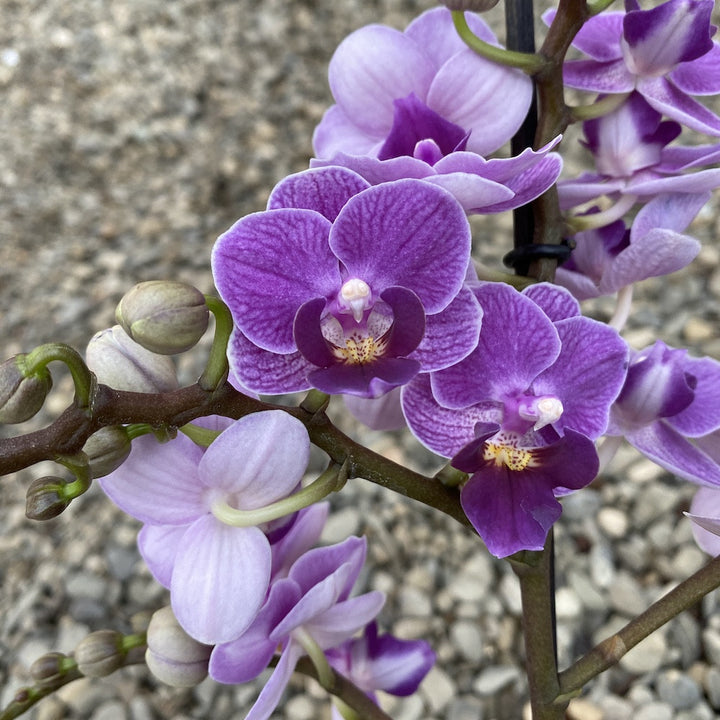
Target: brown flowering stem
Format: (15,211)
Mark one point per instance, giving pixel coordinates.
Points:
(610,650)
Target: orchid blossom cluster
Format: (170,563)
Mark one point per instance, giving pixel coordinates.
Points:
(358,280)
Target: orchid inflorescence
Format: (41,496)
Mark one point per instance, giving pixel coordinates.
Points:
(359,280)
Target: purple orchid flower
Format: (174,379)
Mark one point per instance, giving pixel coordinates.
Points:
(610,258)
(382,662)
(312,607)
(520,413)
(421,104)
(358,303)
(667,400)
(633,161)
(218,575)
(665,53)
(705,516)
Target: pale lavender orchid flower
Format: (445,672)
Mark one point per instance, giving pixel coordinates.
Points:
(668,406)
(311,606)
(665,53)
(421,104)
(705,516)
(355,291)
(218,575)
(520,413)
(631,150)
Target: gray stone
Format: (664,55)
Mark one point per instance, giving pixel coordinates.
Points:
(438,688)
(465,707)
(493,679)
(655,711)
(626,595)
(677,689)
(684,633)
(711,683)
(647,655)
(467,638)
(111,710)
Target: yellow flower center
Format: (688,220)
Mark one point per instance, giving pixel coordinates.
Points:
(360,350)
(513,457)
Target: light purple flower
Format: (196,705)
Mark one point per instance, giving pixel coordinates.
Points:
(358,303)
(705,516)
(608,259)
(218,575)
(665,53)
(668,399)
(521,411)
(631,153)
(383,662)
(421,104)
(311,605)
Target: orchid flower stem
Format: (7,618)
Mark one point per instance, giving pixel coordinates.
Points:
(594,8)
(83,379)
(599,108)
(534,570)
(519,282)
(527,62)
(216,369)
(199,435)
(330,481)
(622,308)
(137,430)
(578,223)
(325,675)
(610,650)
(315,402)
(78,465)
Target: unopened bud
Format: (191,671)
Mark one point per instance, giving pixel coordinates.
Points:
(122,364)
(470,5)
(172,655)
(48,670)
(44,499)
(166,317)
(21,395)
(107,450)
(100,654)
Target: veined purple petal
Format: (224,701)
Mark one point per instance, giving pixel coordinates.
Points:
(304,533)
(435,33)
(608,77)
(337,133)
(378,171)
(556,302)
(266,372)
(370,380)
(405,233)
(676,31)
(701,76)
(465,91)
(158,545)
(324,190)
(408,326)
(261,285)
(674,103)
(702,416)
(343,620)
(159,482)
(259,459)
(672,212)
(450,335)
(587,187)
(308,335)
(246,657)
(587,375)
(472,191)
(373,66)
(442,430)
(581,286)
(501,362)
(698,183)
(677,159)
(666,447)
(273,689)
(219,580)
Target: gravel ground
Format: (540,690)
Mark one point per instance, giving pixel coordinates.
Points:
(133,133)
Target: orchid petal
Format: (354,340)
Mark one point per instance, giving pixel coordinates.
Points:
(702,416)
(701,76)
(557,303)
(610,77)
(337,132)
(343,620)
(158,546)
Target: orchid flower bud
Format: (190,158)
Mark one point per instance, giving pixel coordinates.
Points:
(100,653)
(172,655)
(121,363)
(165,317)
(107,449)
(44,499)
(47,671)
(470,5)
(21,395)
